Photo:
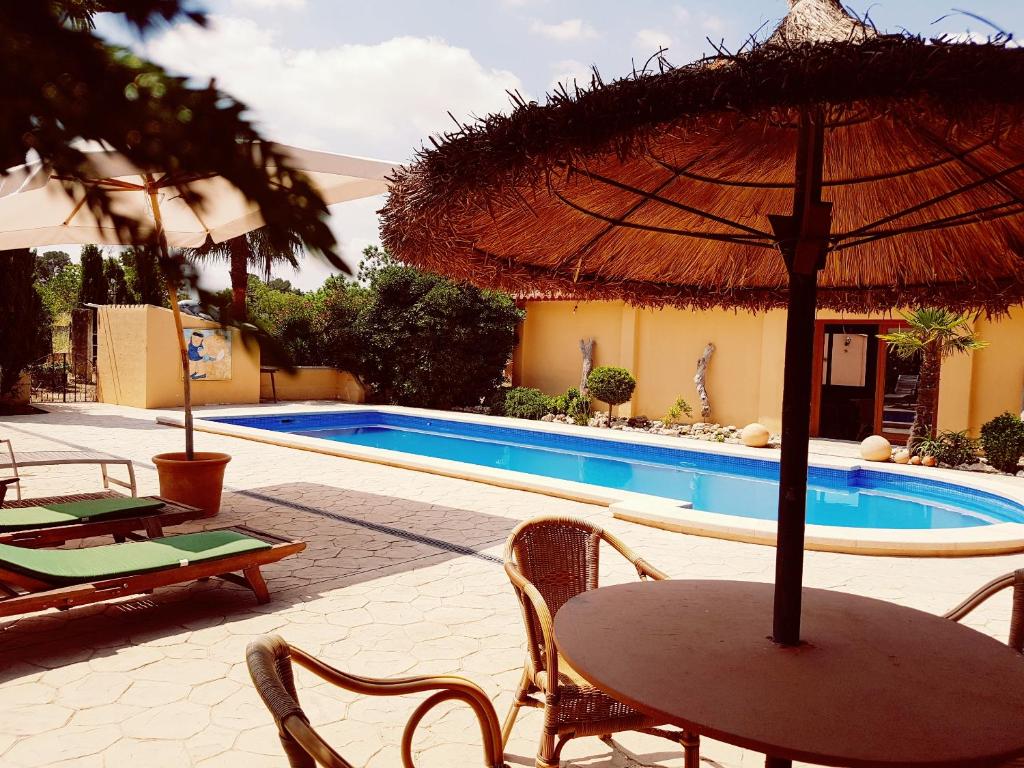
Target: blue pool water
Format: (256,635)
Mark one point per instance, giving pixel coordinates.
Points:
(711,482)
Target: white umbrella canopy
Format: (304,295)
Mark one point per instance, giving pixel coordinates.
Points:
(38,208)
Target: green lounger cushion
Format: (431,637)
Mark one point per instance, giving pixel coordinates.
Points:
(71,512)
(74,566)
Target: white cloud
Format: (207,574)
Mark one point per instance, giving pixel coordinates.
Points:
(650,40)
(567,71)
(564,31)
(290,5)
(712,23)
(682,14)
(379,100)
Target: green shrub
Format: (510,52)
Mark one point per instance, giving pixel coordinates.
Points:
(1003,441)
(611,385)
(527,403)
(573,404)
(953,448)
(680,410)
(428,341)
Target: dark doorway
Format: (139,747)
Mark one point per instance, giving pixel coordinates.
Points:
(849,381)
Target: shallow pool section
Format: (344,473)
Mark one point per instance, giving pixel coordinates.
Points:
(710,482)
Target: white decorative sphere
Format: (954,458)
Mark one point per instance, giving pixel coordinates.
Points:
(875,448)
(755,435)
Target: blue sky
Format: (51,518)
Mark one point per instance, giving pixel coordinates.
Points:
(375,78)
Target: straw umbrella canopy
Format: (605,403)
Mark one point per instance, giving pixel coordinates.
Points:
(40,207)
(829,166)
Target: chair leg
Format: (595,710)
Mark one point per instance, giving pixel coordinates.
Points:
(256,583)
(691,749)
(513,711)
(547,753)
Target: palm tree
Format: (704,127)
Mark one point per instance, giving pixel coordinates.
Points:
(253,250)
(932,334)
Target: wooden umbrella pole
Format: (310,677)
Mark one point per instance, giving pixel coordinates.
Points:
(172,296)
(803,240)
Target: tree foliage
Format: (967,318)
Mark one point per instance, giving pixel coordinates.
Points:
(94,282)
(24,321)
(59,292)
(428,341)
(252,251)
(49,263)
(413,338)
(142,273)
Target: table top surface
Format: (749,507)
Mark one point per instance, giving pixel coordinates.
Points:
(873,684)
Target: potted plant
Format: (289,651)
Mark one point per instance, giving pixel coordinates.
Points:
(192,478)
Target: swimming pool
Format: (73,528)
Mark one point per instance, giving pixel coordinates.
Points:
(739,486)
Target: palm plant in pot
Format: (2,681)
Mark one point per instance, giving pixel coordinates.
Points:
(930,334)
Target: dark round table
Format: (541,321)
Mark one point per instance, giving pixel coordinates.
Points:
(873,684)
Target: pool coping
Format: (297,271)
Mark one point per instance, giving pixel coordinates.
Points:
(655,511)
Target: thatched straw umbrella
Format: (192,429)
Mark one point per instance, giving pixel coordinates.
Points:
(828,166)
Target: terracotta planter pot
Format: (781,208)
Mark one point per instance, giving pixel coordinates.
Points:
(197,483)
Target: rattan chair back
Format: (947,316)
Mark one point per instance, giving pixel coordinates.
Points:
(561,558)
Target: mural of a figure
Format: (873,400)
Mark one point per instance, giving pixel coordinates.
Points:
(209,354)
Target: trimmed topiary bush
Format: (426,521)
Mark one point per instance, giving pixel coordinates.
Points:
(527,403)
(611,385)
(1003,442)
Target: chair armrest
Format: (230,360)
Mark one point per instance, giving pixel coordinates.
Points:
(270,664)
(1015,580)
(448,687)
(643,569)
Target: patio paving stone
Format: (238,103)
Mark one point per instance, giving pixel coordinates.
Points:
(161,679)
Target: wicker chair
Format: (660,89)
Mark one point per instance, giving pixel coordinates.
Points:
(550,560)
(270,665)
(1016,638)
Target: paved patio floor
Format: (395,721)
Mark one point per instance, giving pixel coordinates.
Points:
(161,681)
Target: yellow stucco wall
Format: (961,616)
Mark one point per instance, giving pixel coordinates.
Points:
(313,383)
(122,356)
(997,371)
(138,362)
(661,346)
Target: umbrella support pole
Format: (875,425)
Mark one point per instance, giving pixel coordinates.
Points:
(803,239)
(796,428)
(172,297)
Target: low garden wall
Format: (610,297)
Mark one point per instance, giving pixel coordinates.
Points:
(309,382)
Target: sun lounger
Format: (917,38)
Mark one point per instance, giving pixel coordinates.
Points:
(15,462)
(37,579)
(52,521)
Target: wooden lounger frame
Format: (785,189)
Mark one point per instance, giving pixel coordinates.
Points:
(26,594)
(151,522)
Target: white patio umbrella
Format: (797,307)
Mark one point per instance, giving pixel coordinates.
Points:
(38,208)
